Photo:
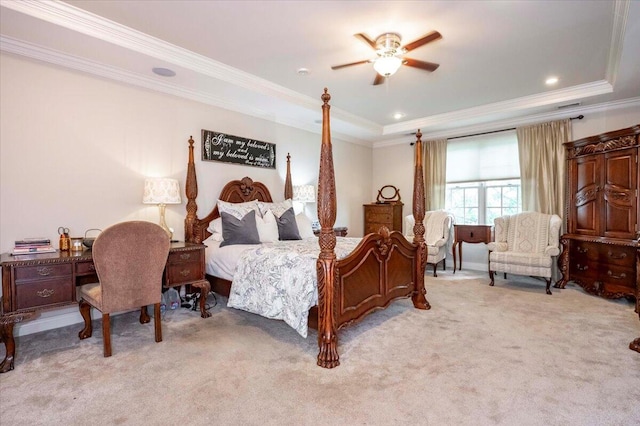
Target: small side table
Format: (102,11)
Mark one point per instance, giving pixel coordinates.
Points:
(468,234)
(340,231)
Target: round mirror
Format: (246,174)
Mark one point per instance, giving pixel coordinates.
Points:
(388,194)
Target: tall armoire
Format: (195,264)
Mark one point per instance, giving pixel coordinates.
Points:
(601,249)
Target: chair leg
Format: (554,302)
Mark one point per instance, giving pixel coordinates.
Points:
(491,276)
(435,265)
(548,285)
(106,334)
(144,315)
(157,322)
(505,275)
(444,264)
(85,311)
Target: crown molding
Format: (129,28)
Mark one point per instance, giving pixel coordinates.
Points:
(481,112)
(516,122)
(620,13)
(78,20)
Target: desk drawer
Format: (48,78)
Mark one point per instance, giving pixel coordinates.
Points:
(39,272)
(44,292)
(184,272)
(85,268)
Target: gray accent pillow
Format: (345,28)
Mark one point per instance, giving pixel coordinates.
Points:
(239,231)
(287,226)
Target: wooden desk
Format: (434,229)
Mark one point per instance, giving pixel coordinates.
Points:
(33,283)
(469,234)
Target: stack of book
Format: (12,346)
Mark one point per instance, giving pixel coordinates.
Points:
(33,246)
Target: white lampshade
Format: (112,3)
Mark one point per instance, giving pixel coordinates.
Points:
(304,193)
(387,65)
(161,191)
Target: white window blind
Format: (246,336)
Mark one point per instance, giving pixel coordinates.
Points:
(480,158)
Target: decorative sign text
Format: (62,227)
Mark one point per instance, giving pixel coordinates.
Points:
(235,149)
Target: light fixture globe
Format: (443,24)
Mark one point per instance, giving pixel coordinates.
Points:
(387,65)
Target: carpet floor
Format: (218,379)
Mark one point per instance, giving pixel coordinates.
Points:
(503,355)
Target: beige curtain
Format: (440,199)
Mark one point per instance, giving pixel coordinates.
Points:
(542,166)
(435,173)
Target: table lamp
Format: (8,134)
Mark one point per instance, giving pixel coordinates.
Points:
(304,193)
(162,191)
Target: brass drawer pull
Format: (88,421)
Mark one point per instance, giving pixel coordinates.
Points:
(616,256)
(185,272)
(582,268)
(45,292)
(622,276)
(584,250)
(44,271)
(185,256)
(92,267)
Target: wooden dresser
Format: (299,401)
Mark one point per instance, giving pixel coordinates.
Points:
(377,215)
(601,250)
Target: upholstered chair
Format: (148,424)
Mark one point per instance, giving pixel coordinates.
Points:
(526,243)
(437,235)
(129,259)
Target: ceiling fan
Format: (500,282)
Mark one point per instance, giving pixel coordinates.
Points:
(390,54)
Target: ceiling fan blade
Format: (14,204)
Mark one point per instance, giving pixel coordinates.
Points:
(378,80)
(427,66)
(432,36)
(337,67)
(366,40)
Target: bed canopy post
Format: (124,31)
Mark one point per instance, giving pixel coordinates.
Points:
(288,187)
(326,264)
(191,191)
(419,299)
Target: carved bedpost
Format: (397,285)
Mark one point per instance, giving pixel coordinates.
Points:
(288,188)
(418,298)
(191,190)
(326,265)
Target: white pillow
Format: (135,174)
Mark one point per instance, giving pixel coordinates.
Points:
(238,210)
(276,208)
(215,227)
(267,227)
(304,226)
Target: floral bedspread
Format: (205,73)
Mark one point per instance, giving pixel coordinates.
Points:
(279,280)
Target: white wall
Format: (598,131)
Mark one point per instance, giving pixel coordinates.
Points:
(75,149)
(393,165)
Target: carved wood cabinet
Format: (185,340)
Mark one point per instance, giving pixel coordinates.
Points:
(378,215)
(601,250)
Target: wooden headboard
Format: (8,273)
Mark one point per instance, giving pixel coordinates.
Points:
(236,191)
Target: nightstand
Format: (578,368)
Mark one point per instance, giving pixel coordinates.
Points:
(469,234)
(185,266)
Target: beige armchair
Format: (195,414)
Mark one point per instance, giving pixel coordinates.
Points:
(129,259)
(525,244)
(437,235)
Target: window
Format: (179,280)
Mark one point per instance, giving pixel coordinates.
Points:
(483,178)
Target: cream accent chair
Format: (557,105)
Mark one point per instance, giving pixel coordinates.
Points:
(525,244)
(438,226)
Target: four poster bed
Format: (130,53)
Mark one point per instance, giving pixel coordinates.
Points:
(384,266)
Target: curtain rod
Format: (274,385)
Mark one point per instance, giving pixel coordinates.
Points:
(580,117)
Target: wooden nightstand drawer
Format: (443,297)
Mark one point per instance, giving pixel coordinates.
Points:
(184,256)
(184,272)
(44,292)
(43,272)
(473,233)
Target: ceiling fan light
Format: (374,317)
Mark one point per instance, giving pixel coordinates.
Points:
(387,65)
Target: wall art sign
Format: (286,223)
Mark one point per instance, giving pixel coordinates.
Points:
(237,150)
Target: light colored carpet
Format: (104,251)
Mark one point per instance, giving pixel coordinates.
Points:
(502,355)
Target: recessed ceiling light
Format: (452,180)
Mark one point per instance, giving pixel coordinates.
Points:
(164,72)
(551,81)
(398,115)
(303,71)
